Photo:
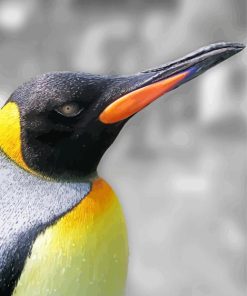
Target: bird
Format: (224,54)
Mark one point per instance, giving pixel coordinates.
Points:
(63,230)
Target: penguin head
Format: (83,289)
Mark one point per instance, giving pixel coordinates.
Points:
(60,134)
(60,124)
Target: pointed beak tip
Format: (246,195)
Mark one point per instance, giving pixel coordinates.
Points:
(234,48)
(240,46)
(212,55)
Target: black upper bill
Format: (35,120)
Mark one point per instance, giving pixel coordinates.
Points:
(196,62)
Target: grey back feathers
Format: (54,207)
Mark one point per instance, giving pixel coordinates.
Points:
(28,205)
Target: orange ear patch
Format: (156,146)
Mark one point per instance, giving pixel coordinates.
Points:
(10,134)
(133,102)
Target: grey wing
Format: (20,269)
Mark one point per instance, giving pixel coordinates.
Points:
(27,206)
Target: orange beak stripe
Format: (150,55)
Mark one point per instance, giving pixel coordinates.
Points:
(133,102)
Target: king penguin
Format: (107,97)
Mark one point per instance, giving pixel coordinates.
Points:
(63,232)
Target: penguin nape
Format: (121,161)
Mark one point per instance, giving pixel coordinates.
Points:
(62,228)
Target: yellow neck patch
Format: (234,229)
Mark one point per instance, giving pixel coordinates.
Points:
(10,134)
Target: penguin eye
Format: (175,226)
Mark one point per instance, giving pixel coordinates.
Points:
(69,110)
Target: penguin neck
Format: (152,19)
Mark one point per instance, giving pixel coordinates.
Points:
(7,163)
(10,134)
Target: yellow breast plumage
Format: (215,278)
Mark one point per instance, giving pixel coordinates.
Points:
(84,253)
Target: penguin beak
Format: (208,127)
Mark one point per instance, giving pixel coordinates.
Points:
(147,86)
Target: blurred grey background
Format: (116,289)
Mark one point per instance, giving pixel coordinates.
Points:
(179,167)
